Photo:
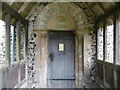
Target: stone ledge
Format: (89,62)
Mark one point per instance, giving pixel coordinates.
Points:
(89,85)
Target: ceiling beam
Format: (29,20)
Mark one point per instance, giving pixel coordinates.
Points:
(32,10)
(90,8)
(92,4)
(112,3)
(22,8)
(113,10)
(101,6)
(14,13)
(35,6)
(11,2)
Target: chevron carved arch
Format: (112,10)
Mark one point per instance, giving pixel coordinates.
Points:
(67,12)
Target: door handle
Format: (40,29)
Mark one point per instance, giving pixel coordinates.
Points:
(51,56)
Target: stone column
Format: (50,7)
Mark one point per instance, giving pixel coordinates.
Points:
(18,29)
(7,38)
(7,45)
(26,49)
(41,59)
(79,60)
(13,46)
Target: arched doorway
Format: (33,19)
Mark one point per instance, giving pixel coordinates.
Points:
(61,19)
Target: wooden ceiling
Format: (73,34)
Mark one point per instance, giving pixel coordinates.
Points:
(94,9)
(97,8)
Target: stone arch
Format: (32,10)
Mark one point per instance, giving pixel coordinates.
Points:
(65,16)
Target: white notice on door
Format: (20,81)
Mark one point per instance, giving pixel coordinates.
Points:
(61,47)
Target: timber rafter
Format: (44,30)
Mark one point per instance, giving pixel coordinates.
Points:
(14,14)
(113,10)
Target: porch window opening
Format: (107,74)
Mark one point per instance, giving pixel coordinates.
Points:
(100,43)
(2,42)
(118,54)
(22,44)
(12,45)
(109,41)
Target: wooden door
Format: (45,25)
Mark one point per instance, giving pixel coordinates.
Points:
(61,67)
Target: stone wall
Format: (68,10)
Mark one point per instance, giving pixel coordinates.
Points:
(41,20)
(91,52)
(31,59)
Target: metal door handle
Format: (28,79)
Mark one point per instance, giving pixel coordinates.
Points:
(51,56)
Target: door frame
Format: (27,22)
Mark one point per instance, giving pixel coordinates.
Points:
(41,57)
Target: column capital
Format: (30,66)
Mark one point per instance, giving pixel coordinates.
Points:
(42,33)
(78,34)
